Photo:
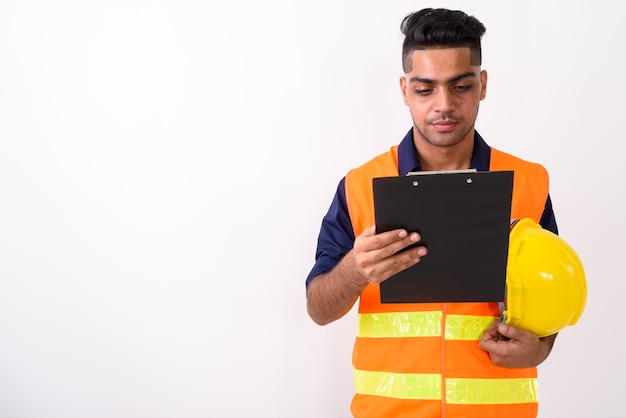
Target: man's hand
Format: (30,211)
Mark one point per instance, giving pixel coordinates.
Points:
(376,257)
(373,259)
(515,348)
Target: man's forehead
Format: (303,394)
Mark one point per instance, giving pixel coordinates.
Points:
(434,52)
(442,63)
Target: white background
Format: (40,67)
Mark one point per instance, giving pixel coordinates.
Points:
(165,165)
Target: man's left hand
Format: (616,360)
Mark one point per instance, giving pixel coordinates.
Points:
(515,348)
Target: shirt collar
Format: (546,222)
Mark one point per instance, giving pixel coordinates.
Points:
(408,159)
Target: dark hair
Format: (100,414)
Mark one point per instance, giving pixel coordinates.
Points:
(440,28)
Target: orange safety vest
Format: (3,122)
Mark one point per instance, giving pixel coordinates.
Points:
(423,359)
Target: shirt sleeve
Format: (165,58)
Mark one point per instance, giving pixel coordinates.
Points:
(336,237)
(548,220)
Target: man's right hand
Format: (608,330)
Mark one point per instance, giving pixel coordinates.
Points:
(377,257)
(373,259)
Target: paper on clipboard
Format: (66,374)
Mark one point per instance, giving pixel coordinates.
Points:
(463,218)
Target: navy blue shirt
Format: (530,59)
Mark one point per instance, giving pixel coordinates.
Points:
(336,237)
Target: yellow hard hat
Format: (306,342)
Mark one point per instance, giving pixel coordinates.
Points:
(545,281)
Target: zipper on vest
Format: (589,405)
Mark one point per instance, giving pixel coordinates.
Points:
(444,313)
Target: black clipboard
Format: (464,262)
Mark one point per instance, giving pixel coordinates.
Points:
(463,218)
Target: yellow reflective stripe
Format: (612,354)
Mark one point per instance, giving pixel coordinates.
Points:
(398,385)
(491,391)
(421,324)
(458,390)
(467,327)
(399,324)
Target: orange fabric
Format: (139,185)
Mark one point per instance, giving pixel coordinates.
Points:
(376,353)
(450,358)
(379,407)
(482,411)
(530,190)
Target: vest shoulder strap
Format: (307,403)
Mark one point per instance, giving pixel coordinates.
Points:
(359,189)
(530,184)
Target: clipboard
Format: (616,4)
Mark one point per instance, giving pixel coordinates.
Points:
(464,219)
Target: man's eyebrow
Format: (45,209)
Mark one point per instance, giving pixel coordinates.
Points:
(449,81)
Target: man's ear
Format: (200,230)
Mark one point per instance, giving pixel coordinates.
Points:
(483,84)
(403,89)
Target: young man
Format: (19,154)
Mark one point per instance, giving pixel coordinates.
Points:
(428,359)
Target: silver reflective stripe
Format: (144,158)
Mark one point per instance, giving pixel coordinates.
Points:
(422,324)
(420,386)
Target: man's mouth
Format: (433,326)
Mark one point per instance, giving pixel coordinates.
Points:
(444,125)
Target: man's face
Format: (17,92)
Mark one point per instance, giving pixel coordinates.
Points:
(443,91)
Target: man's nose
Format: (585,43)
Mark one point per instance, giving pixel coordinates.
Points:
(444,101)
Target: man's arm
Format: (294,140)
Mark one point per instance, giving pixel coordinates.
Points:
(373,259)
(331,295)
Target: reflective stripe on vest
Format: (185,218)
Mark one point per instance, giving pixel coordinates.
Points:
(458,390)
(422,324)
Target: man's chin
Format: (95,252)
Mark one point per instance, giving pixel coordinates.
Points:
(444,140)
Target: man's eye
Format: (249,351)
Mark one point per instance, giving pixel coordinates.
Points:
(462,87)
(423,92)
